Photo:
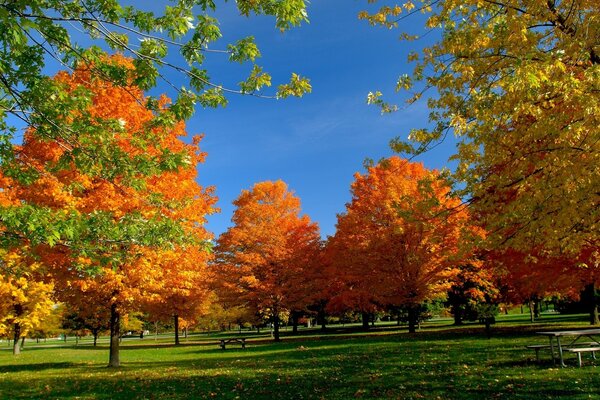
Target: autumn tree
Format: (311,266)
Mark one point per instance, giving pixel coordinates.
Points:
(123,225)
(397,243)
(184,292)
(39,37)
(517,83)
(262,258)
(25,298)
(473,286)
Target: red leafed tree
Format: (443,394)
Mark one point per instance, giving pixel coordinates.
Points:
(265,256)
(530,276)
(397,244)
(114,268)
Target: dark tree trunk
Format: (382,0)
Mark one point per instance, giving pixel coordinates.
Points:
(95,333)
(257,329)
(115,330)
(276,328)
(365,320)
(488,327)
(321,319)
(536,307)
(176,322)
(590,294)
(295,318)
(16,337)
(412,319)
(185,332)
(458,319)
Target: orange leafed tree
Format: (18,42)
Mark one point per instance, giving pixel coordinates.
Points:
(397,243)
(265,255)
(117,268)
(184,292)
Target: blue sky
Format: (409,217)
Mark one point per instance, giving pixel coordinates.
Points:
(314,144)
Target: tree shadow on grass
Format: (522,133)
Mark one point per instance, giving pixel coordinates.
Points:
(35,367)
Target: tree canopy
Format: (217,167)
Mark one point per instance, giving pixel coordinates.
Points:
(517,82)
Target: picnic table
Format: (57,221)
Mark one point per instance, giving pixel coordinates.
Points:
(223,342)
(572,346)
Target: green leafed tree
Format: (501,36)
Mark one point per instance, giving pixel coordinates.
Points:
(40,37)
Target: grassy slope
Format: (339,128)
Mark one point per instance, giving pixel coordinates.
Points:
(438,362)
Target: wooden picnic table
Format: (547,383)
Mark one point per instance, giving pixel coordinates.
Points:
(575,335)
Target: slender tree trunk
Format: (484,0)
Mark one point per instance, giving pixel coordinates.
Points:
(295,317)
(276,328)
(156,330)
(176,322)
(412,319)
(365,320)
(115,328)
(185,332)
(16,337)
(531,312)
(95,333)
(590,291)
(257,329)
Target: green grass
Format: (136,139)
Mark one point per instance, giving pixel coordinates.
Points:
(440,361)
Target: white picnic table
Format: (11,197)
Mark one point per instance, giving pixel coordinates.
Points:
(574,336)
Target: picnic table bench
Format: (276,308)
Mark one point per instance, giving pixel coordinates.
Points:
(582,347)
(575,346)
(580,350)
(224,342)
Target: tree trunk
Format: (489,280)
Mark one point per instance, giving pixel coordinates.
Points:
(458,319)
(16,337)
(488,327)
(412,319)
(531,312)
(536,307)
(115,328)
(185,332)
(276,328)
(176,322)
(321,319)
(295,317)
(95,333)
(156,330)
(365,320)
(590,291)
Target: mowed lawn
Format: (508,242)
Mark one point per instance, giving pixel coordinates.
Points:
(440,361)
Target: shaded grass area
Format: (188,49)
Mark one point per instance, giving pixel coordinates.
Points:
(440,361)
